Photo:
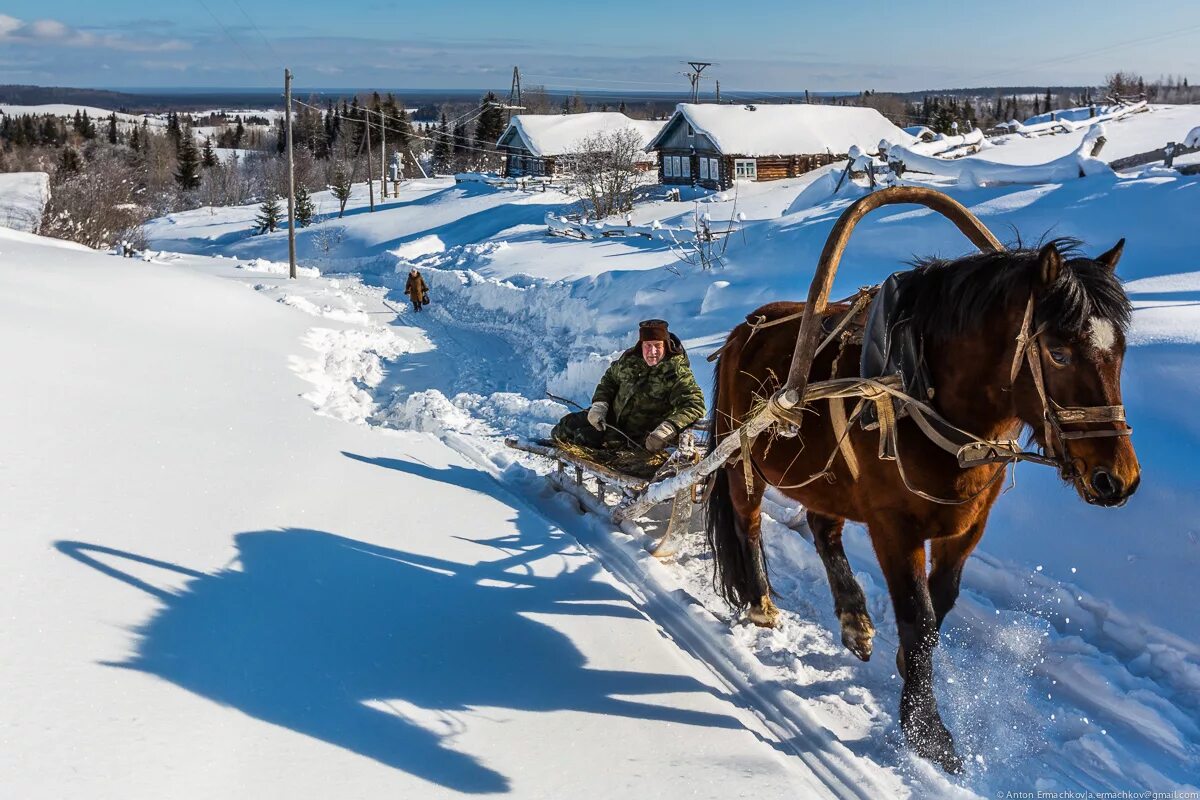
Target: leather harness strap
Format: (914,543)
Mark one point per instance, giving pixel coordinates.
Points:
(972,451)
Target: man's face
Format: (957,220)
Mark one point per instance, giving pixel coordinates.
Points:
(653,352)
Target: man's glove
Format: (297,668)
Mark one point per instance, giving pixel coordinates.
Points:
(659,437)
(597,414)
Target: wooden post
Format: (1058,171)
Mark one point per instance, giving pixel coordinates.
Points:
(1169,155)
(287,114)
(382,156)
(370,182)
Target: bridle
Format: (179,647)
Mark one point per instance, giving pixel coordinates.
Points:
(1055,416)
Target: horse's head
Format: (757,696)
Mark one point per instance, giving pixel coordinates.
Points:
(1068,376)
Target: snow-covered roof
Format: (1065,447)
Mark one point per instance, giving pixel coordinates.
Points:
(770,130)
(556,134)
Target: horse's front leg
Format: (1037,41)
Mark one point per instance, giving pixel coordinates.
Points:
(848,601)
(949,556)
(902,558)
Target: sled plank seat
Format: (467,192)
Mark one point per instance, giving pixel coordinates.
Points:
(546,450)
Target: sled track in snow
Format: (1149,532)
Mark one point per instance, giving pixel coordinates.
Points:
(693,628)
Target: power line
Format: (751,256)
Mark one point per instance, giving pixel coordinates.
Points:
(1156,37)
(413,135)
(252,62)
(254,25)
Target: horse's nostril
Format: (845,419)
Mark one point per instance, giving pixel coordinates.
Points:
(1106,485)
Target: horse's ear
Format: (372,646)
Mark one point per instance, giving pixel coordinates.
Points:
(1110,259)
(1049,263)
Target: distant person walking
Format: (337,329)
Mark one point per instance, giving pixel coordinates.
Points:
(416,290)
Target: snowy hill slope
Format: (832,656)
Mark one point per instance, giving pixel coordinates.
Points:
(23,197)
(212,591)
(1069,664)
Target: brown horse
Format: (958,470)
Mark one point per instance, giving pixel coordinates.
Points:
(1054,315)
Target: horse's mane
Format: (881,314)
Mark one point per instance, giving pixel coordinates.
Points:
(943,298)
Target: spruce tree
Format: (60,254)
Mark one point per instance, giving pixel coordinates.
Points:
(112,128)
(488,130)
(1049,101)
(341,186)
(173,130)
(208,157)
(69,161)
(268,214)
(135,141)
(187,174)
(442,147)
(304,207)
(462,153)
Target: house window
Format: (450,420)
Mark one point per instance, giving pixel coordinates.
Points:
(746,168)
(668,166)
(704,169)
(685,163)
(714,169)
(691,131)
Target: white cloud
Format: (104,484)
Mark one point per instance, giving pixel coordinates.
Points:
(50,30)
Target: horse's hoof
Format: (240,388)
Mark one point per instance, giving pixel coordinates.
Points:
(764,614)
(951,762)
(857,633)
(932,741)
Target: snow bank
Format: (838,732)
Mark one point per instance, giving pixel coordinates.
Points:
(278,268)
(1070,119)
(347,365)
(1193,138)
(500,413)
(980,172)
(941,143)
(23,197)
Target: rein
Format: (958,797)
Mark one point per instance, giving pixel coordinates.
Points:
(976,451)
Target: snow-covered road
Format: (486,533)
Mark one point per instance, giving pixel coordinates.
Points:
(212,591)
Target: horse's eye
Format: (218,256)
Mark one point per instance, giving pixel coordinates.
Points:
(1060,356)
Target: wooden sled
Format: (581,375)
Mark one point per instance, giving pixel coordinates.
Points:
(622,487)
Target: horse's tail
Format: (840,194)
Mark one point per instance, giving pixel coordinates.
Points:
(733,569)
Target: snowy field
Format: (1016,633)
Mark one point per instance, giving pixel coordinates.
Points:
(23,197)
(266,537)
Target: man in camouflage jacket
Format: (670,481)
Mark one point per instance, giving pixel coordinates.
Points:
(649,394)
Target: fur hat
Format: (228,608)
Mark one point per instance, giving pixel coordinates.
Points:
(654,330)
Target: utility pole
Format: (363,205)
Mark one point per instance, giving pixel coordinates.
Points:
(694,77)
(287,113)
(370,182)
(718,92)
(382,156)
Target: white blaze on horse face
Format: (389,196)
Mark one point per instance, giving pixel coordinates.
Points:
(1102,334)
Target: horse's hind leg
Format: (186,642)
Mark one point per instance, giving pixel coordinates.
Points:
(902,558)
(748,517)
(848,600)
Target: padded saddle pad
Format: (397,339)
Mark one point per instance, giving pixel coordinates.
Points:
(891,346)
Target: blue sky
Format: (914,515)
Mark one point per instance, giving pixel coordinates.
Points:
(613,45)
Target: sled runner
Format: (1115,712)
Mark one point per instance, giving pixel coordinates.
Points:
(596,476)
